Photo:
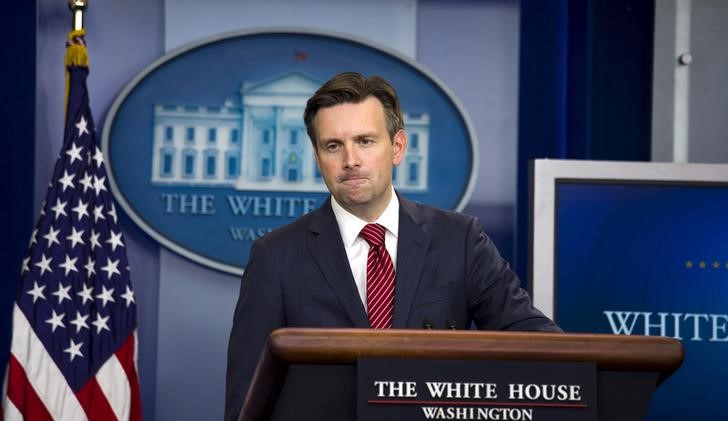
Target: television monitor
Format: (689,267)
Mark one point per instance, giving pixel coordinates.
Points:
(639,249)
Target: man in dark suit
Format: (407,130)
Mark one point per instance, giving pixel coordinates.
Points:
(369,257)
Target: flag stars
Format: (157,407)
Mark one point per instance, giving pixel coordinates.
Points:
(81,209)
(86,182)
(112,213)
(52,236)
(716,264)
(101,323)
(115,240)
(75,237)
(111,267)
(94,240)
(25,267)
(74,350)
(90,267)
(37,292)
(701,264)
(99,158)
(85,294)
(128,296)
(80,321)
(44,265)
(689,264)
(56,321)
(69,265)
(106,296)
(99,184)
(82,126)
(33,237)
(99,213)
(74,153)
(59,209)
(62,293)
(67,180)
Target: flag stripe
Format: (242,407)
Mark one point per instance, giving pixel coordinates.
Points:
(127,355)
(94,402)
(22,395)
(42,372)
(6,405)
(117,392)
(123,396)
(11,412)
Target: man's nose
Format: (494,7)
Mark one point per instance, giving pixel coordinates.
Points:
(351,158)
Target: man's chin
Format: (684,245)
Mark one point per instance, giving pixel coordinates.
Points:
(354,194)
(355,201)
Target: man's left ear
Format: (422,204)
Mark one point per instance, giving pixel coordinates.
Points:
(399,145)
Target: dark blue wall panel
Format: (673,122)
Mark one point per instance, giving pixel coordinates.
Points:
(17,156)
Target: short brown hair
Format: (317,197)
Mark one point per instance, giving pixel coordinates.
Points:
(352,87)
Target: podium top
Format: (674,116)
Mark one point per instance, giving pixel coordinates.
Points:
(344,346)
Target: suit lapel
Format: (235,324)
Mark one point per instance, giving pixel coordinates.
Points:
(327,249)
(412,244)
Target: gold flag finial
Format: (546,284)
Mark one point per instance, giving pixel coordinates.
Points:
(77,7)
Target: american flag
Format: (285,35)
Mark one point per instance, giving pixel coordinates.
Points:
(299,55)
(74,347)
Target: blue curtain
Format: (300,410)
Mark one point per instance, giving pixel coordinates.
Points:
(585,89)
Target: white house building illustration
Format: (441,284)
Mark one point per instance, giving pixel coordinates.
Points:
(261,145)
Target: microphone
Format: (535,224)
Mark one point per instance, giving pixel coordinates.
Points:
(427,324)
(451,324)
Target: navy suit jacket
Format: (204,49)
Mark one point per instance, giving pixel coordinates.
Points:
(448,273)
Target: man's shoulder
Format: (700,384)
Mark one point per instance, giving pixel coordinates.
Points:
(291,230)
(297,230)
(430,215)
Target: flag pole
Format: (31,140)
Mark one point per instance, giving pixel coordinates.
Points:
(77,8)
(76,53)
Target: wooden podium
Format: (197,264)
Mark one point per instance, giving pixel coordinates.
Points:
(294,361)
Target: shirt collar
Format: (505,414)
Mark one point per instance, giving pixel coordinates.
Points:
(351,225)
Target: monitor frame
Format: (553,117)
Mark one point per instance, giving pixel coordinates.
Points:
(545,174)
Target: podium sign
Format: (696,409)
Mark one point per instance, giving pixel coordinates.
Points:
(408,390)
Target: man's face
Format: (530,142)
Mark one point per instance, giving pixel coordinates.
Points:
(355,155)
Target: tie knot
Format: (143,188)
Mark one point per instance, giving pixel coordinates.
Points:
(374,234)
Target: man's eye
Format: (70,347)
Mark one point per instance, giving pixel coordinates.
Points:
(366,141)
(332,147)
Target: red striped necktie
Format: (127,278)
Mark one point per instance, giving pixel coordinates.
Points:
(380,278)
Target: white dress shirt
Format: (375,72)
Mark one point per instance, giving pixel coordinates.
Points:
(357,248)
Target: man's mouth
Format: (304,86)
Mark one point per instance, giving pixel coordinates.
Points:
(352,178)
